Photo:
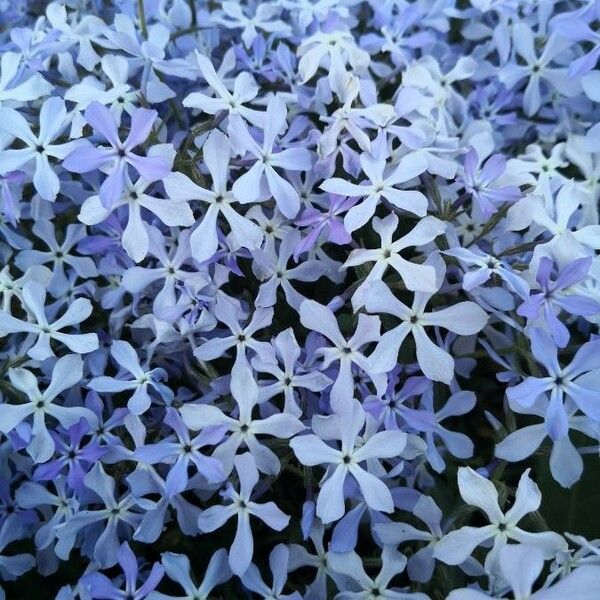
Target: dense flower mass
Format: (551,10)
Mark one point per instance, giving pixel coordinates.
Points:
(299,299)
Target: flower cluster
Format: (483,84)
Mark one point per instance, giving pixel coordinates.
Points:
(300,299)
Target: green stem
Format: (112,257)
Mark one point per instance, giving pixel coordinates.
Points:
(193,11)
(572,509)
(13,363)
(142,12)
(188,31)
(493,221)
(518,249)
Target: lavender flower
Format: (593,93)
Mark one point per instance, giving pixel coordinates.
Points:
(127,358)
(346,352)
(243,429)
(298,260)
(33,301)
(247,188)
(53,119)
(455,547)
(241,506)
(521,566)
(312,450)
(177,568)
(465,318)
(204,239)
(101,587)
(116,158)
(380,186)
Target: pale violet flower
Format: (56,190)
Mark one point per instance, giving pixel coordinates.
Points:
(38,147)
(345,352)
(245,90)
(457,546)
(521,566)
(204,240)
(177,567)
(243,429)
(34,296)
(242,506)
(67,373)
(538,68)
(118,157)
(13,87)
(416,277)
(135,197)
(233,17)
(380,586)
(262,174)
(380,185)
(346,460)
(142,379)
(464,318)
